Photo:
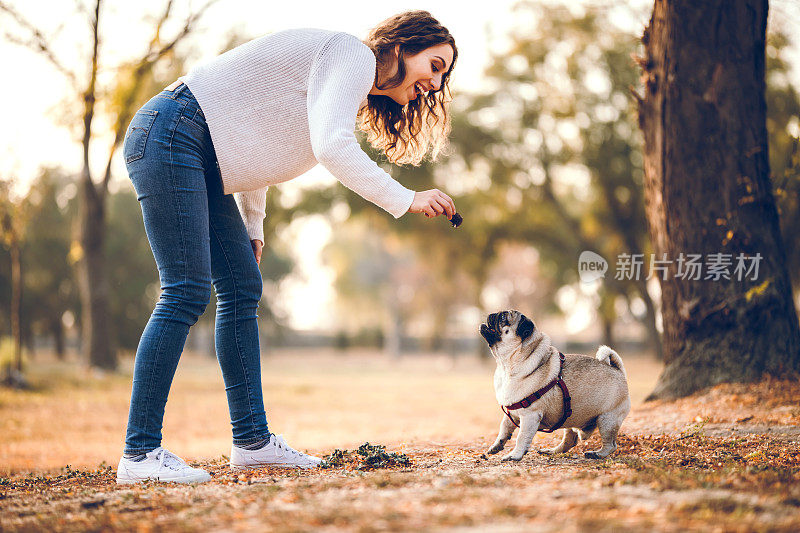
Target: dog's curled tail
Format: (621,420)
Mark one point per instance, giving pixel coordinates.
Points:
(610,357)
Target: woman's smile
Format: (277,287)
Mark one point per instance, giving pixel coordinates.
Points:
(424,72)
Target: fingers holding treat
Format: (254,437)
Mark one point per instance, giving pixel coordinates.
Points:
(432,203)
(447,203)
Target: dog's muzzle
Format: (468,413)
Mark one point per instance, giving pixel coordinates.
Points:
(492,337)
(491,330)
(496,321)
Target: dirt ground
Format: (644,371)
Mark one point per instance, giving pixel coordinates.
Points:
(726,459)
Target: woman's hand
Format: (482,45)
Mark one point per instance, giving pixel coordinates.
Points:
(433,203)
(257,247)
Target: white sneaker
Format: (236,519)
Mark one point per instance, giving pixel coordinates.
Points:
(160,465)
(274,453)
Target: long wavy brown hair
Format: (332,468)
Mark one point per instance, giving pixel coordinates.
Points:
(407,133)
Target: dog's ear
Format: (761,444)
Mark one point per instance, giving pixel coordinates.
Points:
(525,327)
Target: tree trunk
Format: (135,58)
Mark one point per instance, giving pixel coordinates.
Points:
(653,335)
(16,302)
(708,191)
(608,331)
(93,282)
(607,313)
(392,344)
(92,272)
(57,330)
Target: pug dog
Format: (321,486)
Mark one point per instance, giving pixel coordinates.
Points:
(527,361)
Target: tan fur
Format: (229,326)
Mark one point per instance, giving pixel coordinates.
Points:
(597,385)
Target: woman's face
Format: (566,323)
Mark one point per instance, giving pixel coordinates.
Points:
(424,73)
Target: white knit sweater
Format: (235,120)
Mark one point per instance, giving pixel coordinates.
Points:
(278,105)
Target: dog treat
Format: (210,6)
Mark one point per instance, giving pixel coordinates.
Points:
(456,220)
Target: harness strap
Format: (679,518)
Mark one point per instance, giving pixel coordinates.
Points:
(528,400)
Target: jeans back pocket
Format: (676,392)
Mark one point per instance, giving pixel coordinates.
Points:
(136,137)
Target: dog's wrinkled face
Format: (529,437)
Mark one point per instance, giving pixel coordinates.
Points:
(506,329)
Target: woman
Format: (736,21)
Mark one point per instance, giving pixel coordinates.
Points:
(260,114)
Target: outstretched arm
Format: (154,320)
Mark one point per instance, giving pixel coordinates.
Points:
(340,80)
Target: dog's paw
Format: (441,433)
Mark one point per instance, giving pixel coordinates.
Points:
(511,457)
(494,449)
(592,455)
(546,451)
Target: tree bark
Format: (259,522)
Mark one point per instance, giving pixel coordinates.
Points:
(708,191)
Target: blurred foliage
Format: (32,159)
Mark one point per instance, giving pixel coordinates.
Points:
(783,128)
(5,263)
(50,287)
(8,353)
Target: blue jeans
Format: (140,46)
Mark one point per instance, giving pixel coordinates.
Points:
(198,238)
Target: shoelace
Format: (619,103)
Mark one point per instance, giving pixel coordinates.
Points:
(170,460)
(281,445)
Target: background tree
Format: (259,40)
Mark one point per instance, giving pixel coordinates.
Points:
(94,287)
(783,130)
(50,288)
(13,218)
(708,192)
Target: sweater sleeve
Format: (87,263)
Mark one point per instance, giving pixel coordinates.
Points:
(253,206)
(342,76)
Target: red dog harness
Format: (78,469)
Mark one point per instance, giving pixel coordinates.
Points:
(527,401)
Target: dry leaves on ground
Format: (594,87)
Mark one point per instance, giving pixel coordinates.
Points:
(726,459)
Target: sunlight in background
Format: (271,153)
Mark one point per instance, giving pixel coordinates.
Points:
(310,287)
